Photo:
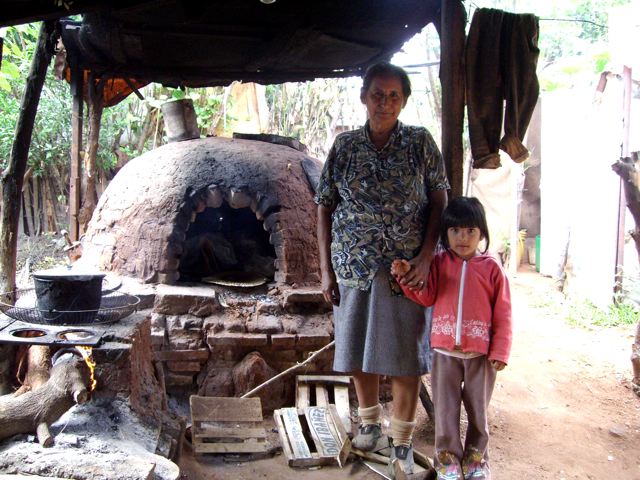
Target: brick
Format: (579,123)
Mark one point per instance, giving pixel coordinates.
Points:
(158,337)
(200,355)
(312,341)
(237,339)
(193,367)
(283,340)
(265,324)
(178,379)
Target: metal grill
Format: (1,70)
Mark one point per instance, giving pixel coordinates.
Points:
(21,305)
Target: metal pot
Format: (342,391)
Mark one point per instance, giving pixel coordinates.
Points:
(59,291)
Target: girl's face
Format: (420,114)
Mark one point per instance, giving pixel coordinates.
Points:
(464,241)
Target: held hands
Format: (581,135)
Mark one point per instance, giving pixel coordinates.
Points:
(497,364)
(406,273)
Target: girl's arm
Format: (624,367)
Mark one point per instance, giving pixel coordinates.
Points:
(501,324)
(424,296)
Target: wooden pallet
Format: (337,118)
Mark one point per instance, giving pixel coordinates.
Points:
(312,436)
(323,390)
(227,425)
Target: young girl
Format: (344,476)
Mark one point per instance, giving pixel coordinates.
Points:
(470,335)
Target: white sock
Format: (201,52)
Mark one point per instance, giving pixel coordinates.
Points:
(401,431)
(370,415)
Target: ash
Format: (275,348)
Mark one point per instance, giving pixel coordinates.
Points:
(100,440)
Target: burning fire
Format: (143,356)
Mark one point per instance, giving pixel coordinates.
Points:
(86,355)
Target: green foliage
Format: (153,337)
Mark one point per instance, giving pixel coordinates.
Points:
(585,314)
(306,111)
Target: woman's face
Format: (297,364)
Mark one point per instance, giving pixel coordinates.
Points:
(384,101)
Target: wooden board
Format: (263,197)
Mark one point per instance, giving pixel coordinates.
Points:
(313,436)
(323,388)
(227,425)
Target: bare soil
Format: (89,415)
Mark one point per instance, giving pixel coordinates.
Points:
(562,409)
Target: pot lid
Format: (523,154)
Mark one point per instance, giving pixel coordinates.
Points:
(237,279)
(64,272)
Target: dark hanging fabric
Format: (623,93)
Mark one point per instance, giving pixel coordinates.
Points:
(501,58)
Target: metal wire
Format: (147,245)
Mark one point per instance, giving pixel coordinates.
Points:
(21,305)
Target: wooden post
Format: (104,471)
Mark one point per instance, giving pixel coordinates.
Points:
(451,29)
(13,176)
(626,121)
(77,86)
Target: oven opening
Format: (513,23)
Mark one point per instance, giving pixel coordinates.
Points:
(227,246)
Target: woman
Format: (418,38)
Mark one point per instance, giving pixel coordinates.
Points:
(380,196)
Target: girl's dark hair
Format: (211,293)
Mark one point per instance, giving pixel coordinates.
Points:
(464,212)
(385,69)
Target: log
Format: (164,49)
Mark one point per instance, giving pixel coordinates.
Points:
(34,411)
(38,360)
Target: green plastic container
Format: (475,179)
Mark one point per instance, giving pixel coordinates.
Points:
(537,253)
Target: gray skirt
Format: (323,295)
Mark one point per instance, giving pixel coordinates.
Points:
(378,332)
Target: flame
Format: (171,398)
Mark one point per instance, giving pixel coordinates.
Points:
(86,355)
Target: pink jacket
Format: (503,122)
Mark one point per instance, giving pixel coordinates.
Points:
(481,288)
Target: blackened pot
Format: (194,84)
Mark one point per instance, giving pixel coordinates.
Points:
(59,291)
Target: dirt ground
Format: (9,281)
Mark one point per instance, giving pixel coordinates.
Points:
(563,408)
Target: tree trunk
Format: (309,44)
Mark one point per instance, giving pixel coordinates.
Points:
(90,199)
(12,177)
(34,411)
(628,170)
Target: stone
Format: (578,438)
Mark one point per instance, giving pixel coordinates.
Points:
(253,371)
(215,382)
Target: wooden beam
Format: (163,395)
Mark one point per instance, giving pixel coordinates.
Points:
(451,29)
(77,87)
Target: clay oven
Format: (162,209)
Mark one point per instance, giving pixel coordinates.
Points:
(191,208)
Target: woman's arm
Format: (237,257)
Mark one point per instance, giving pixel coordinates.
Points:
(329,284)
(421,262)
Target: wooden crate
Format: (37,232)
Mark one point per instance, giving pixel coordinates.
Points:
(323,390)
(227,425)
(312,436)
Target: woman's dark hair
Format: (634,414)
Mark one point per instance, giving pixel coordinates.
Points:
(464,212)
(385,69)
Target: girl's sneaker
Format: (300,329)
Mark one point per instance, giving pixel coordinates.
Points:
(447,466)
(474,466)
(367,437)
(401,462)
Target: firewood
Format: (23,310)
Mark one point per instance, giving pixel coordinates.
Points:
(38,358)
(35,410)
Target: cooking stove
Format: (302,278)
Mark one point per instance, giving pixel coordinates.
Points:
(16,331)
